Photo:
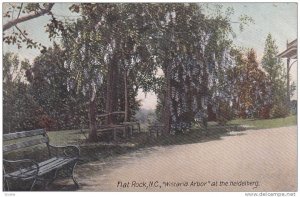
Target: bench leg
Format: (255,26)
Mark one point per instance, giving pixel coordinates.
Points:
(73,178)
(5,185)
(68,171)
(52,178)
(19,185)
(33,184)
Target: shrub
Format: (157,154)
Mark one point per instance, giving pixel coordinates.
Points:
(279,111)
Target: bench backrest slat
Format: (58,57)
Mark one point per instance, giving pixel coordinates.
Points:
(22,134)
(24,139)
(28,143)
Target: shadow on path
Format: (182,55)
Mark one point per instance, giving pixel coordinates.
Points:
(104,158)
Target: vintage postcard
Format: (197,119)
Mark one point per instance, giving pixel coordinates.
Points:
(150,97)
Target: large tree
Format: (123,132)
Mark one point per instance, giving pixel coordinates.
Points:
(84,62)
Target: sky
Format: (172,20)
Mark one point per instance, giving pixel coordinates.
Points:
(279,19)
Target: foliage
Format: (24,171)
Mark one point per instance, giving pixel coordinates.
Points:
(145,115)
(279,111)
(21,111)
(114,50)
(51,86)
(16,13)
(104,50)
(194,56)
(136,40)
(277,76)
(251,88)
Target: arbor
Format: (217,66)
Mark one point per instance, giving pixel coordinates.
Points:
(276,74)
(103,49)
(194,56)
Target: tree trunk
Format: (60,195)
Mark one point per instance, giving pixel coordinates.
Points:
(112,89)
(167,104)
(92,98)
(109,94)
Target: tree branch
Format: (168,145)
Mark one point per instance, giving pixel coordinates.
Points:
(16,21)
(20,10)
(21,33)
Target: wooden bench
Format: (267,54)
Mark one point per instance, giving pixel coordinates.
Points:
(27,173)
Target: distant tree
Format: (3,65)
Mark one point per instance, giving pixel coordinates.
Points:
(20,109)
(251,88)
(277,76)
(145,115)
(50,84)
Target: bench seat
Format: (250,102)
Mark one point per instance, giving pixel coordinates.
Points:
(44,167)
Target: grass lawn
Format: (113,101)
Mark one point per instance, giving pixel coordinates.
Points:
(74,136)
(65,137)
(97,151)
(266,123)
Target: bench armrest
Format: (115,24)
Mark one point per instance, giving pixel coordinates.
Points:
(67,151)
(21,168)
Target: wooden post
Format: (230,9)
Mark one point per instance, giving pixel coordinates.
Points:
(92,120)
(139,127)
(131,130)
(124,131)
(288,84)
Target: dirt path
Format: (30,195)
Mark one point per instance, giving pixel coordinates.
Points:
(253,160)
